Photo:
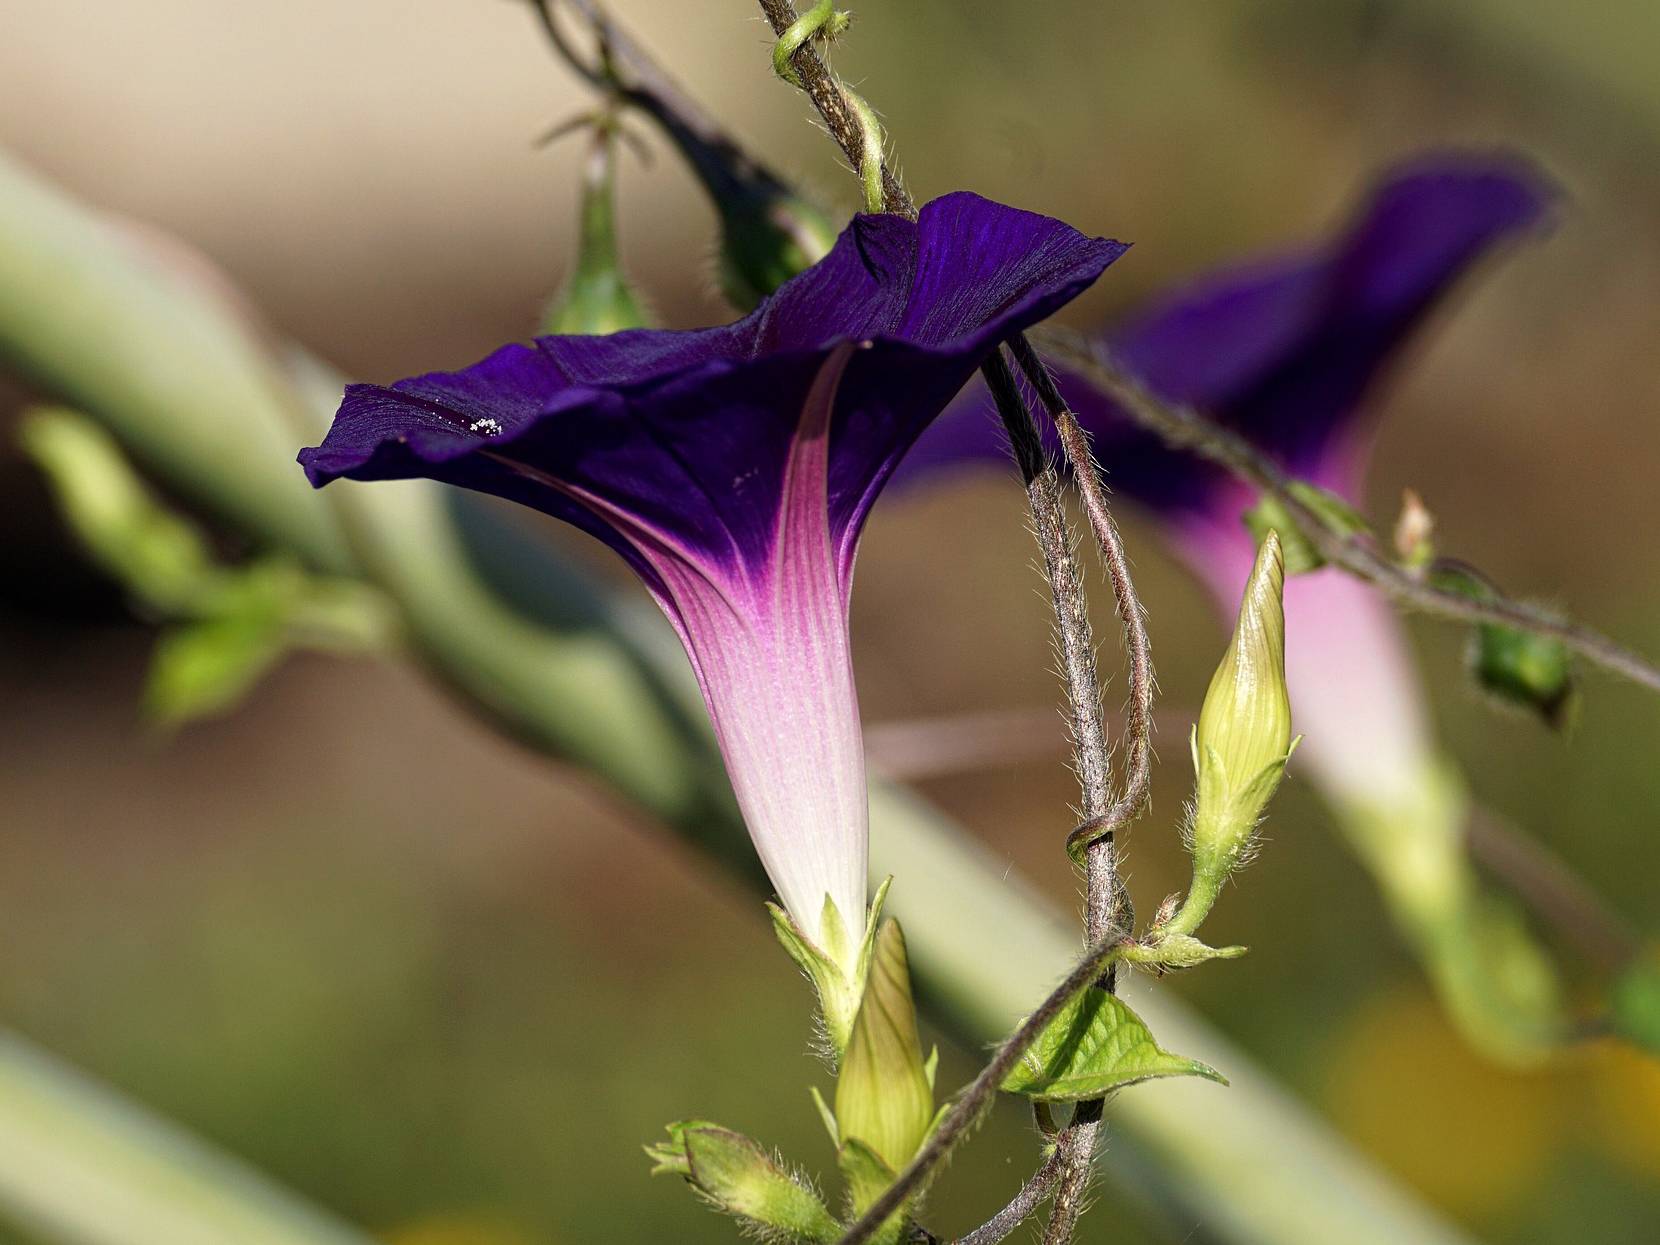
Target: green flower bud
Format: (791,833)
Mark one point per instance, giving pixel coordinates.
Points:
(768,234)
(884,1098)
(735,1175)
(597,298)
(1243,738)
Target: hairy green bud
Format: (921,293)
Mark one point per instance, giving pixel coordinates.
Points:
(738,1177)
(768,235)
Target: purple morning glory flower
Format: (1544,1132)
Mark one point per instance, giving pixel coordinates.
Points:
(733,468)
(1287,350)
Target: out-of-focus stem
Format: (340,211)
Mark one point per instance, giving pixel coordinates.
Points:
(81,1165)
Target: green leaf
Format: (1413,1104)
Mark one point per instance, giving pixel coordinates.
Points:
(740,1178)
(1636,1003)
(1094,1046)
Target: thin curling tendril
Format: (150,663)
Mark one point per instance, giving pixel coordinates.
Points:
(825,21)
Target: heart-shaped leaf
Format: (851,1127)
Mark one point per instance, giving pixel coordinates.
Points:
(1094,1046)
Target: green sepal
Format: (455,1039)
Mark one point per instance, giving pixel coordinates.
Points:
(1095,1045)
(883,1095)
(868,1176)
(1635,1003)
(737,1176)
(1270,514)
(839,988)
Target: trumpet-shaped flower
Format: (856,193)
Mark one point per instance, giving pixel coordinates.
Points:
(1286,351)
(733,468)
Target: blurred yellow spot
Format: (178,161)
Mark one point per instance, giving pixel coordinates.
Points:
(1473,1137)
(458,1230)
(1626,1093)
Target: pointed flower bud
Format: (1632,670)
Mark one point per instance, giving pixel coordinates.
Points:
(884,1096)
(740,1178)
(1243,738)
(597,298)
(768,234)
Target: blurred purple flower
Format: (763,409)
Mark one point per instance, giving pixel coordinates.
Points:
(734,467)
(1286,351)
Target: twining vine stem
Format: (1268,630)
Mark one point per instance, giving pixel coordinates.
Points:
(1107,903)
(1185,428)
(847,117)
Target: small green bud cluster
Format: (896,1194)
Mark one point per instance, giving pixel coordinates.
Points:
(225,625)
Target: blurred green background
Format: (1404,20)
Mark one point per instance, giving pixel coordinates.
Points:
(447,989)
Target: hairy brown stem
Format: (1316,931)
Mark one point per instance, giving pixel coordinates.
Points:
(1107,902)
(828,97)
(1185,428)
(1021,1207)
